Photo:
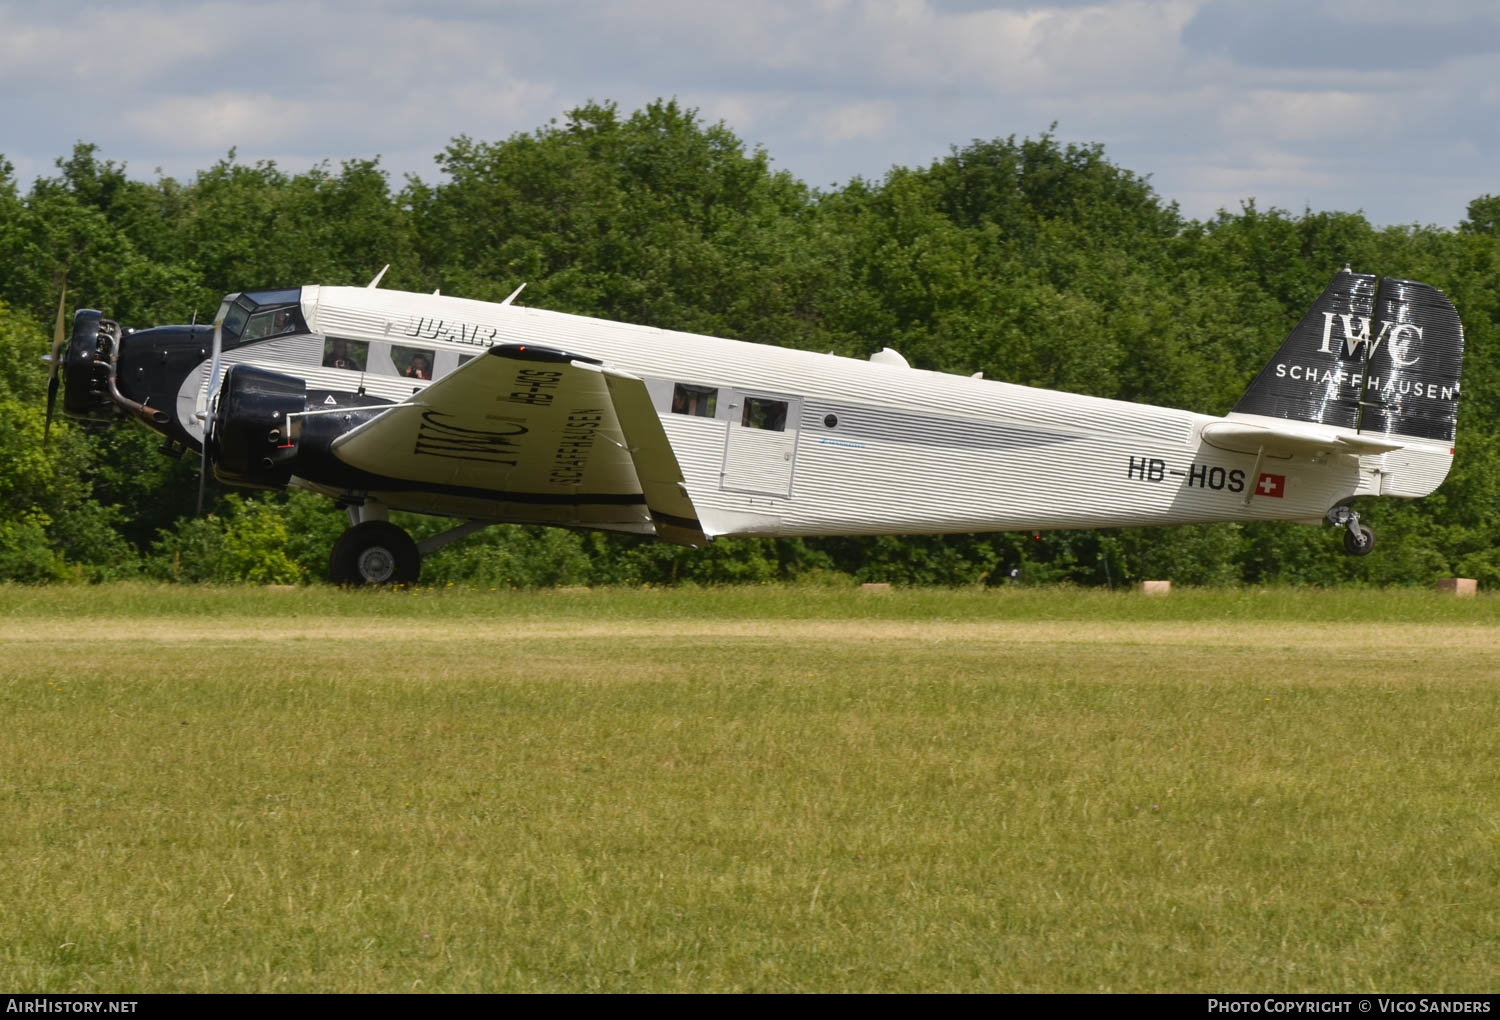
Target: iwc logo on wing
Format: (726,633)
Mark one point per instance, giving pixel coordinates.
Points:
(496,445)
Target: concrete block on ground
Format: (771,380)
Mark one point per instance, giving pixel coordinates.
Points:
(1156,587)
(1458,585)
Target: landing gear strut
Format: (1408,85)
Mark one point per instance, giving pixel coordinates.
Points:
(374,551)
(1358,538)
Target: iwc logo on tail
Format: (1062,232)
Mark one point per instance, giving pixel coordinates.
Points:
(1348,338)
(1396,336)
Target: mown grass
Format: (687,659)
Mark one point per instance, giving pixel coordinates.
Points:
(753,602)
(747,789)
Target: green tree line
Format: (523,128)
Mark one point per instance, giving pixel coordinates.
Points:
(1033,261)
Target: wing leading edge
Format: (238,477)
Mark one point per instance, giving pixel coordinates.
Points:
(564,437)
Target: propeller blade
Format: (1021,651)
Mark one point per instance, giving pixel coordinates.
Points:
(51,404)
(59,338)
(203,471)
(208,409)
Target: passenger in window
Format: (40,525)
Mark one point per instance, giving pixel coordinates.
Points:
(284,322)
(697,401)
(339,357)
(419,368)
(764,414)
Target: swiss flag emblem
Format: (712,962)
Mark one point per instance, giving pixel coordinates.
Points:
(1271,485)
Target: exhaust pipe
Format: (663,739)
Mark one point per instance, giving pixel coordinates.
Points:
(91,370)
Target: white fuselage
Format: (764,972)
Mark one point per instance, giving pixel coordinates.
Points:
(867,448)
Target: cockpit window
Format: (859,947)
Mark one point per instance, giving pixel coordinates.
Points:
(260,314)
(234,311)
(274,322)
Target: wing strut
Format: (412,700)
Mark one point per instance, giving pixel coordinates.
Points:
(1260,458)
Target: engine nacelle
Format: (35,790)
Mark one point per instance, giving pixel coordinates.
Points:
(254,438)
(85,367)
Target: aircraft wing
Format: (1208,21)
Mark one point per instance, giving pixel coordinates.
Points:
(533,426)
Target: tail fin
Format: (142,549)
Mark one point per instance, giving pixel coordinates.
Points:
(1377,355)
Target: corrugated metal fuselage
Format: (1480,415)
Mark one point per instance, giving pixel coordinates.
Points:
(867,448)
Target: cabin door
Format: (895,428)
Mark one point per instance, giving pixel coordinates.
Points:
(760,447)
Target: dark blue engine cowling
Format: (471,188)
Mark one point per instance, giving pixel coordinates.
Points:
(85,371)
(108,372)
(254,442)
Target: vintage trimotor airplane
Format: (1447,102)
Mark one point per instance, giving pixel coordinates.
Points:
(494,413)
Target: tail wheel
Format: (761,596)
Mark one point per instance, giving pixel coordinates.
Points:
(374,553)
(1361,544)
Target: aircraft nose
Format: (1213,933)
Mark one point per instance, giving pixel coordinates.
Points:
(85,367)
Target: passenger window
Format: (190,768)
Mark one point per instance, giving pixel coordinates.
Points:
(698,401)
(761,413)
(341,353)
(412,362)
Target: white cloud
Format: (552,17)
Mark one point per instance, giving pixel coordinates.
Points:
(110,43)
(1303,116)
(1109,45)
(224,119)
(851,121)
(746,113)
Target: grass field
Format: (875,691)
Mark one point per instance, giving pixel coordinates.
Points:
(764,789)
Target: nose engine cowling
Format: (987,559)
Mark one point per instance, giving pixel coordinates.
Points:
(92,373)
(85,366)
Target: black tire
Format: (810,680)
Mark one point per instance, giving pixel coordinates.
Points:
(374,553)
(1360,546)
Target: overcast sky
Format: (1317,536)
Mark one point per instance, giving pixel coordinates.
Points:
(1385,106)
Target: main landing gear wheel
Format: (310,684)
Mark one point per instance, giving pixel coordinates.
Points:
(1358,538)
(1361,544)
(372,553)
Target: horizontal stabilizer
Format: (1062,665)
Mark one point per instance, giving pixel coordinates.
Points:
(1285,439)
